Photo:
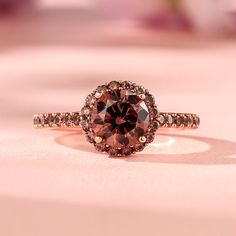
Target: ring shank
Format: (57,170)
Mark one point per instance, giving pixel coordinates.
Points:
(72,120)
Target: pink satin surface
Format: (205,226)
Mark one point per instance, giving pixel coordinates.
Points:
(55,183)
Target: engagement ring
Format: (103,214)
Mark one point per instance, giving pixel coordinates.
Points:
(119,118)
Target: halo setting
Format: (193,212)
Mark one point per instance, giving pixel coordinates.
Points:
(120,118)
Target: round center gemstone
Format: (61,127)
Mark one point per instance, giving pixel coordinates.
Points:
(120,117)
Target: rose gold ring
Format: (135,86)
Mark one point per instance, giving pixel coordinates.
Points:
(119,118)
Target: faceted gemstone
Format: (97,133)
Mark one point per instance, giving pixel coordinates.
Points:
(113,85)
(196,121)
(42,120)
(90,136)
(68,119)
(127,84)
(90,99)
(139,147)
(190,120)
(84,124)
(150,137)
(36,120)
(85,111)
(154,111)
(154,126)
(150,98)
(76,118)
(100,147)
(161,119)
(140,90)
(51,120)
(59,119)
(185,120)
(178,120)
(101,89)
(120,151)
(169,120)
(120,117)
(112,151)
(127,151)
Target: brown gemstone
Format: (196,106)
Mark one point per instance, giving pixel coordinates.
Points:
(51,120)
(76,118)
(68,119)
(178,120)
(120,117)
(59,119)
(36,120)
(154,126)
(196,121)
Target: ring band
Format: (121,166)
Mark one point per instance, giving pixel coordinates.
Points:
(119,118)
(74,119)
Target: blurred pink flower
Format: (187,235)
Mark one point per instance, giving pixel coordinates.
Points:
(10,6)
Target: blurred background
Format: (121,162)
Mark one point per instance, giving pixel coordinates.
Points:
(69,44)
(117,21)
(53,53)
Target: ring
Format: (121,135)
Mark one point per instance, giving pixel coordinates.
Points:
(119,117)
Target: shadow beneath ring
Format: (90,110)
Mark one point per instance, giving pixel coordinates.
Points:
(218,151)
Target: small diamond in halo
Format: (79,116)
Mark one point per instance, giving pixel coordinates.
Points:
(127,151)
(113,85)
(100,147)
(90,99)
(112,151)
(126,84)
(154,126)
(84,124)
(85,111)
(150,137)
(90,136)
(140,90)
(149,98)
(139,147)
(155,111)
(101,89)
(119,151)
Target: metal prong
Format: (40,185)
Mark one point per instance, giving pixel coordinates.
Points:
(142,139)
(142,96)
(98,95)
(98,139)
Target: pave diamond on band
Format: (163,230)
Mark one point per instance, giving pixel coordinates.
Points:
(119,118)
(74,120)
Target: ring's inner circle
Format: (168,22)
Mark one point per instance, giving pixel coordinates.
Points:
(120,117)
